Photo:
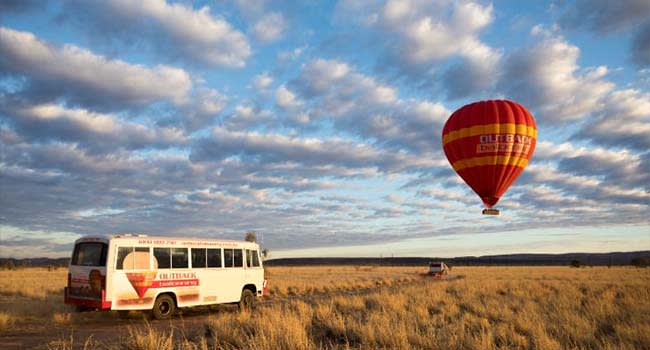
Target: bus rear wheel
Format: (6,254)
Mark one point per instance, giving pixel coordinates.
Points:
(164,307)
(247,300)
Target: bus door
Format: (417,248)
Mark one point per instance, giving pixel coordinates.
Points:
(133,277)
(234,274)
(87,275)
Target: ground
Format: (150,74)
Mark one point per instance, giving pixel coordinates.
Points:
(359,307)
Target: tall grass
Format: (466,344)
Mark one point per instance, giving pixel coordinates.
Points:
(298,280)
(491,308)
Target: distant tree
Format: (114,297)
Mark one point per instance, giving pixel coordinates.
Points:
(640,262)
(576,263)
(251,236)
(265,253)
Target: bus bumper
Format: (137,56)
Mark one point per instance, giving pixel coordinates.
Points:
(265,288)
(90,303)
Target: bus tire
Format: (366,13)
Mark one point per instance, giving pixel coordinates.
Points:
(247,300)
(164,307)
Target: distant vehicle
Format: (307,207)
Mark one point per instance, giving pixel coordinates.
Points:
(438,269)
(161,274)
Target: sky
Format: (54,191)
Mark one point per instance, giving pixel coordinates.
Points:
(318,124)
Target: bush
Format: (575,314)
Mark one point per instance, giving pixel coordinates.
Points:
(640,262)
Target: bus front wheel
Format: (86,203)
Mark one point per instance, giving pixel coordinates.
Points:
(164,307)
(247,300)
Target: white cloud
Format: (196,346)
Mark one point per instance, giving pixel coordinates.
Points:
(419,35)
(83,76)
(270,148)
(286,99)
(361,104)
(270,27)
(610,165)
(196,34)
(603,16)
(434,31)
(262,81)
(93,130)
(546,77)
(624,121)
(246,115)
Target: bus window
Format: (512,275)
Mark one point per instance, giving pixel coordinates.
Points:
(130,258)
(198,258)
(179,258)
(122,253)
(238,258)
(256,259)
(227,257)
(163,257)
(89,254)
(214,257)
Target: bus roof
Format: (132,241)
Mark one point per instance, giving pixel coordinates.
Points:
(146,239)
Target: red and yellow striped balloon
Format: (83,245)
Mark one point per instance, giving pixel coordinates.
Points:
(489,143)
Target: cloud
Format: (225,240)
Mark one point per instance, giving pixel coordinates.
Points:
(176,30)
(602,16)
(248,116)
(17,6)
(340,88)
(434,31)
(270,27)
(286,99)
(83,77)
(641,46)
(361,104)
(545,77)
(447,195)
(95,131)
(266,24)
(263,81)
(198,110)
(606,17)
(277,148)
(474,73)
(624,121)
(418,37)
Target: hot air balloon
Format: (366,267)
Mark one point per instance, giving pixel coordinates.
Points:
(489,143)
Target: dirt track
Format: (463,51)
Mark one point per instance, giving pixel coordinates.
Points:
(109,330)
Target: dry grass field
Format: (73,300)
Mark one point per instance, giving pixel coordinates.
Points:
(371,308)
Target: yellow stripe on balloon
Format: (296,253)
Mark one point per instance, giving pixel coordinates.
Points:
(490,160)
(509,128)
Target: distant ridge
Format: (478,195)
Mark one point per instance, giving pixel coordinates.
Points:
(602,259)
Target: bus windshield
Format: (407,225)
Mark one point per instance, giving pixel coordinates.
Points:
(89,254)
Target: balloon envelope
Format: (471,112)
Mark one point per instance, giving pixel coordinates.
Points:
(489,143)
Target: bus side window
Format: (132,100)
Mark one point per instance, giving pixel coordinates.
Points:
(163,257)
(214,257)
(248,258)
(256,259)
(179,258)
(198,258)
(140,259)
(238,258)
(122,263)
(228,257)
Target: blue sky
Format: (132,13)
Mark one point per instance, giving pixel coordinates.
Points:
(317,124)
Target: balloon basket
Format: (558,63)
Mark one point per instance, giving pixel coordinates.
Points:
(490,211)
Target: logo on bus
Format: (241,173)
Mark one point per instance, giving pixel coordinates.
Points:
(143,281)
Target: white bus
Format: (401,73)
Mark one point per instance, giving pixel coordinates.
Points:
(140,272)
